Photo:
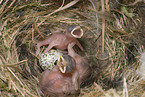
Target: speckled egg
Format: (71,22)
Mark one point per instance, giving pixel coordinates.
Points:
(49,59)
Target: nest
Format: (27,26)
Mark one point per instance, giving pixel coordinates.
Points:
(113,41)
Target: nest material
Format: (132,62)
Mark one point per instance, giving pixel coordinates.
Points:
(113,42)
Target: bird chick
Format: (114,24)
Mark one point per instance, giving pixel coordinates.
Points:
(82,66)
(67,65)
(53,83)
(62,80)
(61,40)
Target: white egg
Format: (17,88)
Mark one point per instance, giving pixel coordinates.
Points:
(48,60)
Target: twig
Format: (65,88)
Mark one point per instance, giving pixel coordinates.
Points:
(16,88)
(30,93)
(36,28)
(15,76)
(103,26)
(132,4)
(59,9)
(18,62)
(125,91)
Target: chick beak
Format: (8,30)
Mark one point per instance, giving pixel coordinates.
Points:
(77,32)
(61,64)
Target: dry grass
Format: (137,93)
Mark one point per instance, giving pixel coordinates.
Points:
(113,41)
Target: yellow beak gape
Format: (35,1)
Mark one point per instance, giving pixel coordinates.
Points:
(77,32)
(61,64)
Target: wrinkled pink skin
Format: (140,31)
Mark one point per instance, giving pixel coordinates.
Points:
(82,66)
(59,41)
(55,84)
